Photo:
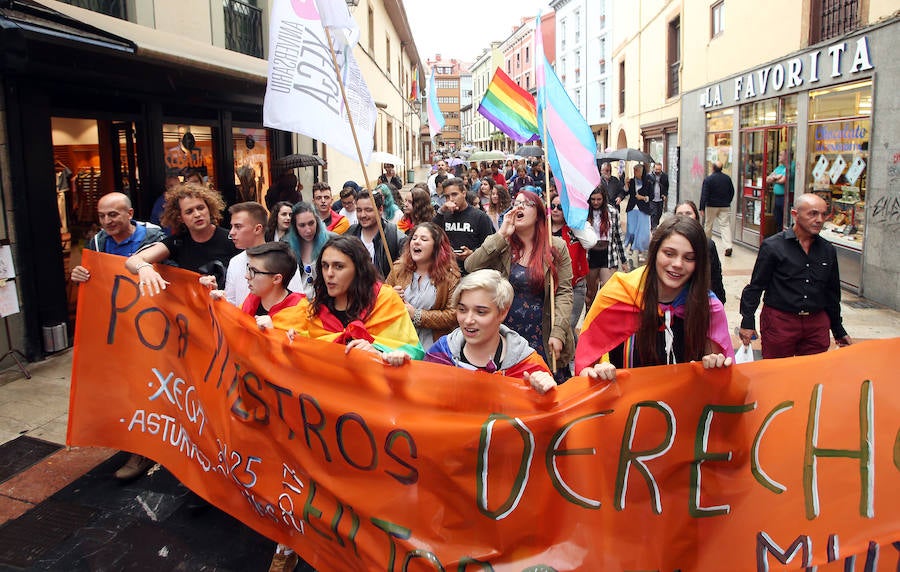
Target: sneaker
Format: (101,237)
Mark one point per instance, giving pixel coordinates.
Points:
(727,252)
(134,468)
(282,562)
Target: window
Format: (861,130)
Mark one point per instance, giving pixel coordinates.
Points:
(562,68)
(717,19)
(603,98)
(118,8)
(674,57)
(832,18)
(578,98)
(622,86)
(578,65)
(243,24)
(562,35)
(508,66)
(527,81)
(577,26)
(387,53)
(527,54)
(603,55)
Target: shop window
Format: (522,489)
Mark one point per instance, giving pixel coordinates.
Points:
(759,113)
(851,100)
(251,163)
(719,125)
(838,159)
(789,109)
(188,150)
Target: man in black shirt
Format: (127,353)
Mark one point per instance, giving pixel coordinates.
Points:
(466,227)
(389,177)
(798,271)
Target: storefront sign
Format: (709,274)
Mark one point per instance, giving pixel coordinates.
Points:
(791,74)
(357,465)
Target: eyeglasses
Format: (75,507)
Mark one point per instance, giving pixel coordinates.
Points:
(252,272)
(523,204)
(555,207)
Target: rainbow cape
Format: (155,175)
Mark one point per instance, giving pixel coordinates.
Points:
(615,316)
(387,326)
(510,108)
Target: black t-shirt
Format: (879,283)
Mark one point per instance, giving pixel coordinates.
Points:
(467,228)
(210,257)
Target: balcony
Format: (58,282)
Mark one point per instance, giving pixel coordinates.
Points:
(114,8)
(243,28)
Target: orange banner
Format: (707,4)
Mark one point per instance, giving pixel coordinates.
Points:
(779,464)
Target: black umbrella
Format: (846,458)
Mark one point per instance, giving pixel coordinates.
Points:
(529,151)
(626,154)
(299,160)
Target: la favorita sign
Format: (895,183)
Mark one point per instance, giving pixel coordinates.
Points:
(779,464)
(843,60)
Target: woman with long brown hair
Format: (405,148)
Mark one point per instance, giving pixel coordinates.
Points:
(521,251)
(425,276)
(662,313)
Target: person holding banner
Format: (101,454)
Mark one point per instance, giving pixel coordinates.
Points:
(199,244)
(425,276)
(661,313)
(481,342)
(521,251)
(351,306)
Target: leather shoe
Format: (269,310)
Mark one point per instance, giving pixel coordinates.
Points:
(284,562)
(134,467)
(727,252)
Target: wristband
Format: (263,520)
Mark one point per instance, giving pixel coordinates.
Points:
(142,265)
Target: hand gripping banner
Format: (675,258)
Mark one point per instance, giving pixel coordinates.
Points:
(773,465)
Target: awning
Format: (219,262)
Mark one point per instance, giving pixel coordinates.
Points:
(169,48)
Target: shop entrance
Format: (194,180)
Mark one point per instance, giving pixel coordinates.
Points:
(92,157)
(769,168)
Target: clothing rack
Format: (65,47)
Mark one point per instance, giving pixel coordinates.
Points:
(12,351)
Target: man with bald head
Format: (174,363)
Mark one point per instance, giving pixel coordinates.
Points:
(119,233)
(715,204)
(798,271)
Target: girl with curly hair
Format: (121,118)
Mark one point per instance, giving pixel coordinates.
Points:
(198,244)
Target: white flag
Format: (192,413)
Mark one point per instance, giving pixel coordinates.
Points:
(303,94)
(336,15)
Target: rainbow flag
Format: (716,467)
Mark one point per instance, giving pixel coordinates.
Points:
(414,86)
(614,318)
(510,108)
(435,117)
(569,143)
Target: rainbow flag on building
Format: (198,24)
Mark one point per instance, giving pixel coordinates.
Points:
(414,85)
(435,117)
(569,142)
(510,108)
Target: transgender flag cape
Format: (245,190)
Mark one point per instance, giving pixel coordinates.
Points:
(615,316)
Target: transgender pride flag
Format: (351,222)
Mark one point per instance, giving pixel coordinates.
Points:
(435,117)
(568,141)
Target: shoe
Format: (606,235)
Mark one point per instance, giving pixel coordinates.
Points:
(727,252)
(282,562)
(134,468)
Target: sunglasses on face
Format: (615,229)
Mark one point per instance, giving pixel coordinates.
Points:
(555,207)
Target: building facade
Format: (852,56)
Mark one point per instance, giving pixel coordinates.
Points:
(483,131)
(824,111)
(447,74)
(582,49)
(646,55)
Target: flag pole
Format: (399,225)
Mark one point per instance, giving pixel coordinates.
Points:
(362,165)
(549,240)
